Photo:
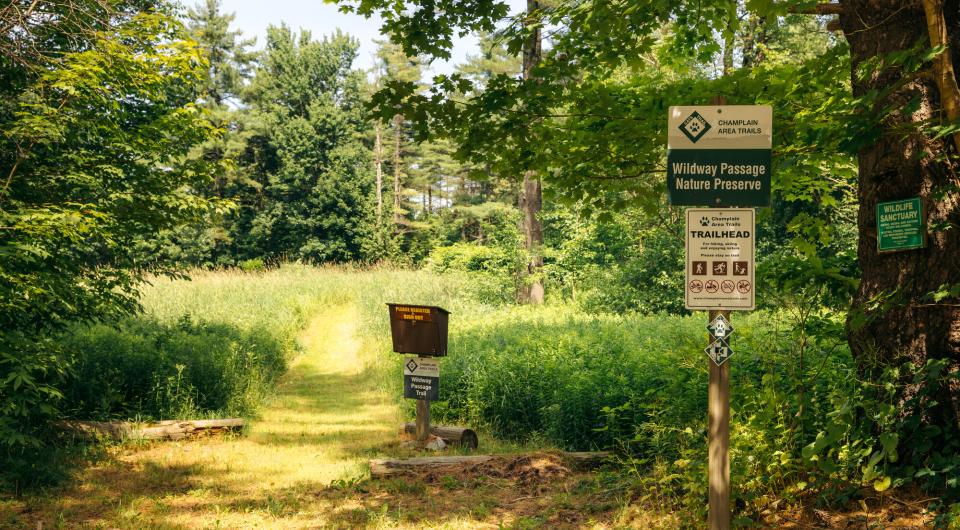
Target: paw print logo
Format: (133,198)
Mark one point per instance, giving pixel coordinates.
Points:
(704,221)
(695,126)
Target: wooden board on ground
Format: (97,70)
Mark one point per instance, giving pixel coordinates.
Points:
(162,430)
(380,468)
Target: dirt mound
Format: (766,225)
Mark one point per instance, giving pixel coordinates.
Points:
(525,469)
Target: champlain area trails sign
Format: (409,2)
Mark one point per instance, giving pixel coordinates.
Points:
(421,378)
(720,259)
(719,155)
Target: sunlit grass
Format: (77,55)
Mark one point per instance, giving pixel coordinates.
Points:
(332,412)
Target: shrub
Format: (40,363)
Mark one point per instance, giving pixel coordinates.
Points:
(491,269)
(253,265)
(151,370)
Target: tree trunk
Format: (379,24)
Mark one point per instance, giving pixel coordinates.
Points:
(397,125)
(754,41)
(729,41)
(531,196)
(937,29)
(909,326)
(378,163)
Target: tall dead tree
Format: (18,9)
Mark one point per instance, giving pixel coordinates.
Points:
(397,158)
(378,165)
(531,195)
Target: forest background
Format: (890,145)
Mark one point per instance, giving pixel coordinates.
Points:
(144,139)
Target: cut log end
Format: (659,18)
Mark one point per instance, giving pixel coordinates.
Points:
(460,436)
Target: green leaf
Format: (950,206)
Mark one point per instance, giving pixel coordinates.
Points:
(882,484)
(889,443)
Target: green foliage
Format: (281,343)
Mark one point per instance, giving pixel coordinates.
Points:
(560,373)
(94,130)
(252,265)
(877,436)
(491,271)
(230,62)
(624,262)
(308,185)
(466,257)
(150,370)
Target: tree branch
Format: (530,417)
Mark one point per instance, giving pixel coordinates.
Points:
(943,63)
(829,8)
(641,173)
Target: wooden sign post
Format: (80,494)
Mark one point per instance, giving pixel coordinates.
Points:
(718,427)
(719,156)
(421,381)
(423,420)
(421,330)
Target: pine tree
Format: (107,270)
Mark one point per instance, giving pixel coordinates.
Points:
(231,62)
(394,65)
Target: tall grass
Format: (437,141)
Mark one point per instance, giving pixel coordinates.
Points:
(215,344)
(577,380)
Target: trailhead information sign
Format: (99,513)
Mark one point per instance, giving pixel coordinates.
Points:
(719,155)
(421,378)
(900,225)
(720,259)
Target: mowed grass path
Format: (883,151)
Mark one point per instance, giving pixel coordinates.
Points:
(327,420)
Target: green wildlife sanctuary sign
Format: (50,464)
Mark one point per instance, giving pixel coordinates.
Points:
(900,225)
(719,155)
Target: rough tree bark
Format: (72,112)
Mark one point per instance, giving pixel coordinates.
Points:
(901,164)
(397,131)
(531,196)
(729,41)
(378,164)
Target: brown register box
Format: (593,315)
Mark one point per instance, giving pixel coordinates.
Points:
(420,329)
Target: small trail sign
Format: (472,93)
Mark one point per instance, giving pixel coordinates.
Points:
(901,225)
(720,328)
(719,155)
(421,378)
(719,351)
(720,259)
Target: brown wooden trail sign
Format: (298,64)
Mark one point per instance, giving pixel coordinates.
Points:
(421,330)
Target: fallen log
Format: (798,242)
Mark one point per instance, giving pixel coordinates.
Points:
(162,430)
(588,459)
(451,435)
(385,467)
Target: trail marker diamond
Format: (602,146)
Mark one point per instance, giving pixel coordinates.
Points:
(720,328)
(412,366)
(695,126)
(719,351)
